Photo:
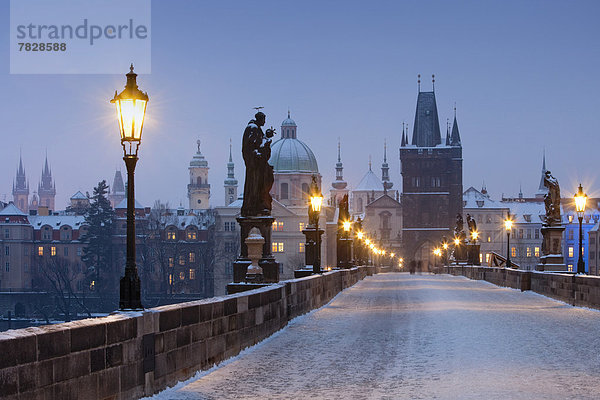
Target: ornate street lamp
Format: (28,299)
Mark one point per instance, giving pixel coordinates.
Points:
(508,226)
(131,109)
(456,246)
(580,200)
(316,200)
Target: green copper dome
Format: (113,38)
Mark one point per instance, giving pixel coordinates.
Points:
(292,155)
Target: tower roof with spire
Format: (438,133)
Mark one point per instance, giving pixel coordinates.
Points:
(118,187)
(426,128)
(198,160)
(542,190)
(230,181)
(455,136)
(369,182)
(339,182)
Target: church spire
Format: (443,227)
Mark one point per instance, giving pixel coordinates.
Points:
(385,170)
(339,183)
(542,190)
(455,136)
(403,142)
(230,184)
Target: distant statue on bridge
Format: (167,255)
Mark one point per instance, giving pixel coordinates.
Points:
(256,151)
(459,228)
(471,224)
(552,200)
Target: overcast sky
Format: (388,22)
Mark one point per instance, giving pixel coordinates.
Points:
(524,76)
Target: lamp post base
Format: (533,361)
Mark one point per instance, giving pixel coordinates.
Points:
(130,293)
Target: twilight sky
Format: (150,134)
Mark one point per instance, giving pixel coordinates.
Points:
(524,76)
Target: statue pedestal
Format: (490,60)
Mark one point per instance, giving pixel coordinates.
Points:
(552,258)
(461,253)
(270,267)
(473,251)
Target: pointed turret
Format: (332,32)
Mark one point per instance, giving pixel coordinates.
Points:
(455,137)
(339,185)
(21,188)
(230,184)
(198,188)
(426,129)
(447,132)
(542,190)
(385,170)
(403,142)
(117,190)
(46,188)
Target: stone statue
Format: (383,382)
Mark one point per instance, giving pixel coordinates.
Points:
(344,214)
(552,200)
(458,229)
(256,151)
(471,224)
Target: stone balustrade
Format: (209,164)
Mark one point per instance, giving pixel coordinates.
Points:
(578,290)
(132,354)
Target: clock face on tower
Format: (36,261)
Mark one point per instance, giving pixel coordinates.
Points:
(199,201)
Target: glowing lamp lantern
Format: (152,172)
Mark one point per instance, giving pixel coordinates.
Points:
(580,201)
(368,242)
(456,241)
(130,105)
(316,201)
(508,224)
(359,235)
(346,225)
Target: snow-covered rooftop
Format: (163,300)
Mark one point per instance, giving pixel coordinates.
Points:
(56,221)
(11,209)
(369,182)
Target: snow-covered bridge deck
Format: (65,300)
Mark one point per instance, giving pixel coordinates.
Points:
(419,337)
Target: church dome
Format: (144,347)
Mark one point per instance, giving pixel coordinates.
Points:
(292,155)
(288,122)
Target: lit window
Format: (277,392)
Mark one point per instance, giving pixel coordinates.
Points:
(278,226)
(182,260)
(92,285)
(301,225)
(489,238)
(192,256)
(571,251)
(529,252)
(192,274)
(536,251)
(191,235)
(513,251)
(171,235)
(170,279)
(53,250)
(182,275)
(277,247)
(171,261)
(300,247)
(570,267)
(487,257)
(480,258)
(571,220)
(40,251)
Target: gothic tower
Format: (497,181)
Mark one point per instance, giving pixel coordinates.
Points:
(117,190)
(198,188)
(21,189)
(338,190)
(230,184)
(47,188)
(431,182)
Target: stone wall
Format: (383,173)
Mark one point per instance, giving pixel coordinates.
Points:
(129,355)
(578,290)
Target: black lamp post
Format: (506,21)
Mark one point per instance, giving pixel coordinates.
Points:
(131,109)
(580,200)
(316,200)
(508,226)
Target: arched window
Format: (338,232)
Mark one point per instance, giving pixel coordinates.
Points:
(305,190)
(199,180)
(359,204)
(284,195)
